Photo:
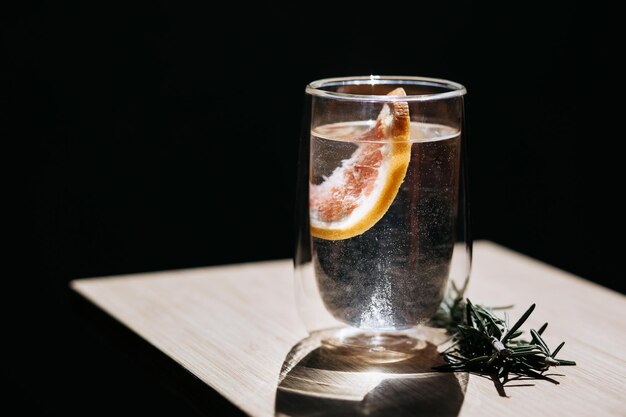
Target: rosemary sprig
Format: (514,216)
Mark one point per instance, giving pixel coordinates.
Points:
(484,343)
(451,311)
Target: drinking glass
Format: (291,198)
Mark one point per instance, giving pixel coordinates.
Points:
(382,210)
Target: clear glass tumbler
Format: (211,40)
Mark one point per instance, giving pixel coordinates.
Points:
(382,216)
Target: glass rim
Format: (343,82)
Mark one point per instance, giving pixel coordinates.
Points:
(314,88)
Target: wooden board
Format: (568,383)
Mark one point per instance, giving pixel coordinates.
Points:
(234,326)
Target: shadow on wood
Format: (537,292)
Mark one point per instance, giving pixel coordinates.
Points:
(197,397)
(320,380)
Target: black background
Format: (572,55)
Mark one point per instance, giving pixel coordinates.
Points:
(134,121)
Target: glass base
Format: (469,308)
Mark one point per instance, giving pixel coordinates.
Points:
(373,347)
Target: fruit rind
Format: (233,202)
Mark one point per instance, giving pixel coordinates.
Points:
(398,133)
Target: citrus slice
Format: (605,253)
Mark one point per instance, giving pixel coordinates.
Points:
(359,192)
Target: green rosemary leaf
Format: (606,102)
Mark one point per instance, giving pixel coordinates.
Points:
(537,339)
(557,350)
(475,317)
(454,287)
(519,323)
(506,322)
(479,359)
(494,329)
(522,347)
(468,314)
(525,354)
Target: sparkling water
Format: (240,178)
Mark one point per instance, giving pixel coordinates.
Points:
(393,276)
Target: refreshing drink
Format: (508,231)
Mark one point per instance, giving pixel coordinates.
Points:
(387,266)
(381,218)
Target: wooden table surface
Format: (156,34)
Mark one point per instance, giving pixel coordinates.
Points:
(234,327)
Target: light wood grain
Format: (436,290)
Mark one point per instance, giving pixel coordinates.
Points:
(233,327)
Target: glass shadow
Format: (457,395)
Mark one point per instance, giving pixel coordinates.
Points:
(318,379)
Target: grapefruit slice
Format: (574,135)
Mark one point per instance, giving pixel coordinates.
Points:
(359,192)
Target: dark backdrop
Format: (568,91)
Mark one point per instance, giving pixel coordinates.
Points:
(135,122)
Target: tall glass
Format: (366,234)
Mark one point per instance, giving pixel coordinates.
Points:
(382,219)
